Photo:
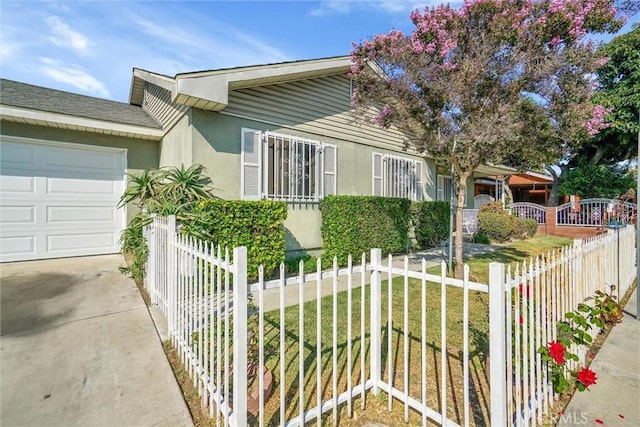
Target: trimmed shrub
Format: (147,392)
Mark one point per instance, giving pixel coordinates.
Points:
(355,224)
(495,225)
(523,228)
(519,229)
(430,222)
(258,225)
(480,237)
(492,207)
(532,226)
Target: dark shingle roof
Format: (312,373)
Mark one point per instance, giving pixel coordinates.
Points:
(23,95)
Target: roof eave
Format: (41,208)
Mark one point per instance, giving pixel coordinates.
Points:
(65,121)
(210,90)
(140,78)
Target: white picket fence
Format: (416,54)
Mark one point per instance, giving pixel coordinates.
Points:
(528,301)
(338,357)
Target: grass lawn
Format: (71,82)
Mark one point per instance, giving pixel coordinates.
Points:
(393,332)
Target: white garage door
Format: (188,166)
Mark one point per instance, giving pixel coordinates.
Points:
(58,200)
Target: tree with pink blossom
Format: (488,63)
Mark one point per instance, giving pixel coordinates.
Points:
(490,82)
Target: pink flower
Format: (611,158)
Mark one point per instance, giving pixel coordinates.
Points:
(602,61)
(383,115)
(597,121)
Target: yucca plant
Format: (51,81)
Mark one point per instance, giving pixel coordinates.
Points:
(143,187)
(168,191)
(184,186)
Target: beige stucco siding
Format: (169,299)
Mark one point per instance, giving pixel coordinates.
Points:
(176,146)
(216,145)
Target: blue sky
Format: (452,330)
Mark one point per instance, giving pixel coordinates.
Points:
(90,47)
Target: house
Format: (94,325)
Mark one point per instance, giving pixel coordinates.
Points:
(278,131)
(529,186)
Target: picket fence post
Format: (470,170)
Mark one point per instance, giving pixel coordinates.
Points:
(172,275)
(152,257)
(497,350)
(376,315)
(239,417)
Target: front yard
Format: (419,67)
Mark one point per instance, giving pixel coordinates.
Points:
(393,337)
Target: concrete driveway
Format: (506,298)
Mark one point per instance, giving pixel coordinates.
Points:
(78,347)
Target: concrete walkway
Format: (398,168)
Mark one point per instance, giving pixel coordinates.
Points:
(615,398)
(78,347)
(433,256)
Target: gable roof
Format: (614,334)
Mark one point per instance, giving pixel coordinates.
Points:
(28,103)
(209,89)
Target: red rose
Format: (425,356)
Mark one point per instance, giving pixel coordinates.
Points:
(587,377)
(556,351)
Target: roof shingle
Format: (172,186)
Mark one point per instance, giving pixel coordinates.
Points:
(23,95)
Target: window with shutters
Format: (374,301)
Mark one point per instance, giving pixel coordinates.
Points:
(395,176)
(286,167)
(444,188)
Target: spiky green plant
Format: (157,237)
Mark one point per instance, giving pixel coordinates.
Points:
(184,186)
(143,187)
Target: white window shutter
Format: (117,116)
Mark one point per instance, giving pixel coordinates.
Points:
(440,184)
(377,174)
(251,173)
(418,181)
(330,169)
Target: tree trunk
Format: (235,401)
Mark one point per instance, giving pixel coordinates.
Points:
(507,190)
(554,193)
(461,186)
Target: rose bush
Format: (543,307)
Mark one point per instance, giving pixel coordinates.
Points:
(575,331)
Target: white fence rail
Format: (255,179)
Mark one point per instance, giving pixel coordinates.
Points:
(323,340)
(324,343)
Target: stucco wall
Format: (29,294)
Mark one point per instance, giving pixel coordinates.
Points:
(216,145)
(175,148)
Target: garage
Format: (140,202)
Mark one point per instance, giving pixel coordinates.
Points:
(59,199)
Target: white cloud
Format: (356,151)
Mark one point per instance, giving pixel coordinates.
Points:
(65,37)
(328,7)
(222,45)
(8,49)
(73,75)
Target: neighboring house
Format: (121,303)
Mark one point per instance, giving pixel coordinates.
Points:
(533,187)
(530,186)
(279,132)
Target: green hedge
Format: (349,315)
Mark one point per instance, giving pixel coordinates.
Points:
(495,225)
(527,227)
(430,222)
(500,227)
(257,225)
(355,224)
